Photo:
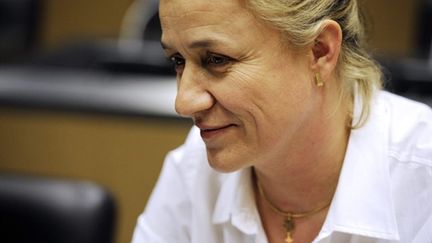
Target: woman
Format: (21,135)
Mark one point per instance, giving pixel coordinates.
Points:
(294,141)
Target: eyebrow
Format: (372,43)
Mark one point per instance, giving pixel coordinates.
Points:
(194,45)
(201,44)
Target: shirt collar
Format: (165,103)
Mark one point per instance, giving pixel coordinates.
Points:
(236,202)
(363,203)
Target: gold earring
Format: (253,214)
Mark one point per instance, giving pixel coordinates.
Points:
(318,80)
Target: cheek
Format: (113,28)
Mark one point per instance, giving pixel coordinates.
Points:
(291,85)
(263,96)
(241,89)
(256,93)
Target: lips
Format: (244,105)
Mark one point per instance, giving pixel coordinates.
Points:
(208,132)
(209,129)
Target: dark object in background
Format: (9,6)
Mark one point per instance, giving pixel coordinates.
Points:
(414,73)
(19,22)
(37,209)
(424,30)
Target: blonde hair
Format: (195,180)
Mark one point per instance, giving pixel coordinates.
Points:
(300,21)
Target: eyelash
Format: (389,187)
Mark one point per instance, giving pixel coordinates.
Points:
(212,61)
(177,61)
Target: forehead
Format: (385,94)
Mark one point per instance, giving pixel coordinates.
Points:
(188,19)
(184,8)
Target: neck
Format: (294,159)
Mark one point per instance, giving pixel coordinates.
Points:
(308,178)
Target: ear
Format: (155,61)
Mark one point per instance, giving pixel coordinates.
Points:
(326,49)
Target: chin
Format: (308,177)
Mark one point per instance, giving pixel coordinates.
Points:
(224,164)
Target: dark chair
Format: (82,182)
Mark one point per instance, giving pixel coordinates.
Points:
(48,210)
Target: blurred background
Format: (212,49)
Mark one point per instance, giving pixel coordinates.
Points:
(86,94)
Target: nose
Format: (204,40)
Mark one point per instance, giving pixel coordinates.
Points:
(193,95)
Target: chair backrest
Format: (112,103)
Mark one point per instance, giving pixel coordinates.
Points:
(48,210)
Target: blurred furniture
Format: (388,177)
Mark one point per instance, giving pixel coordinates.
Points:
(90,91)
(137,50)
(48,210)
(130,76)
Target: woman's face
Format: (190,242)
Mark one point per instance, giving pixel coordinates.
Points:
(250,96)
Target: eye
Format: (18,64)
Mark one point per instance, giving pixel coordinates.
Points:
(178,62)
(217,60)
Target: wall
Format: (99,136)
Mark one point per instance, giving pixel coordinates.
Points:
(391,25)
(69,20)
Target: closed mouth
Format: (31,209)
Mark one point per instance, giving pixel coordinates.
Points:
(216,128)
(213,132)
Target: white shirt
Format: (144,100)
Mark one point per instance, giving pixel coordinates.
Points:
(384,192)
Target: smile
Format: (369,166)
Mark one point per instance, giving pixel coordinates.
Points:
(210,133)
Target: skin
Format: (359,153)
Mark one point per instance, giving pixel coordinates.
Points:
(256,103)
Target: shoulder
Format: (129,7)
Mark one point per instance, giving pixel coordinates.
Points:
(409,129)
(405,113)
(408,139)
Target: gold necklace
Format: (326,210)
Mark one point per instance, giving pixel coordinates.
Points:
(288,217)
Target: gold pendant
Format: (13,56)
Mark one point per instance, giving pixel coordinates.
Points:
(289,227)
(288,238)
